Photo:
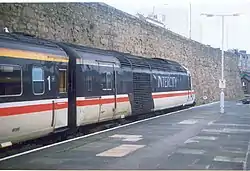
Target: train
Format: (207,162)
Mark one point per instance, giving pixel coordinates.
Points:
(50,86)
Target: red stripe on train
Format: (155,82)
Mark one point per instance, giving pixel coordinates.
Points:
(156,96)
(87,102)
(17,110)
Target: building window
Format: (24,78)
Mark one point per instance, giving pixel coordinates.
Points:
(38,80)
(107,81)
(62,81)
(243,84)
(10,80)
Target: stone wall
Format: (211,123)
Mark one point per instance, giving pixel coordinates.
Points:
(102,26)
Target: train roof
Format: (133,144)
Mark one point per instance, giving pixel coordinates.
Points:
(23,41)
(99,55)
(150,63)
(27,38)
(133,61)
(125,59)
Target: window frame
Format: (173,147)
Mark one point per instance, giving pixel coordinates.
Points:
(21,70)
(38,94)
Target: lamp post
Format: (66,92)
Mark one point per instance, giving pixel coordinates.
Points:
(222,83)
(190,19)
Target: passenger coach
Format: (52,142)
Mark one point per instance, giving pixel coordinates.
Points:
(48,86)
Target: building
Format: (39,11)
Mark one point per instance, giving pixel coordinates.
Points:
(245,80)
(244,68)
(153,18)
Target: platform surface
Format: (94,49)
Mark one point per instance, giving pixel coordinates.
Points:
(197,138)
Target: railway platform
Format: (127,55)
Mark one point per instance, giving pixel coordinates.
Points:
(195,138)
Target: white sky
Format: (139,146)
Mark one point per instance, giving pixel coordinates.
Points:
(205,30)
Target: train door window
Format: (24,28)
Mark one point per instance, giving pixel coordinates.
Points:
(10,80)
(107,81)
(38,80)
(189,82)
(89,82)
(62,81)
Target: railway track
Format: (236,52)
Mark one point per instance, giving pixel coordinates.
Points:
(81,131)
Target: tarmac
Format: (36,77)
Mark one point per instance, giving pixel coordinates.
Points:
(195,138)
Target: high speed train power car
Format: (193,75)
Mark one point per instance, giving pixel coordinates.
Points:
(50,86)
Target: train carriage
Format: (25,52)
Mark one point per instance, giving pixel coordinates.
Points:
(48,86)
(29,73)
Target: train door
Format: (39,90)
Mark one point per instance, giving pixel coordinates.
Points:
(60,105)
(108,98)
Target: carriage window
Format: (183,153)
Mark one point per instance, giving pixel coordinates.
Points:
(10,80)
(38,80)
(89,83)
(63,81)
(107,81)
